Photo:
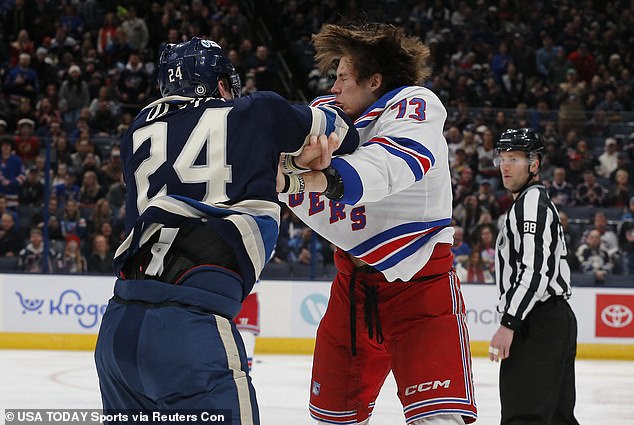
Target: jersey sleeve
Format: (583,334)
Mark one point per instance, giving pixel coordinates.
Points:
(405,147)
(296,123)
(535,258)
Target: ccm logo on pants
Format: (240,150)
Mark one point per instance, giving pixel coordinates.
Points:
(426,386)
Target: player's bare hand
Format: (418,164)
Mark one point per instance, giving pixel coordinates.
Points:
(500,346)
(317,153)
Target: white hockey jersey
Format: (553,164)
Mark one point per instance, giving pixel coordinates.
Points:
(398,197)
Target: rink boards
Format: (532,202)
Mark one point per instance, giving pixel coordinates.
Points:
(64,312)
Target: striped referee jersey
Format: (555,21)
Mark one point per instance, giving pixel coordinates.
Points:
(530,259)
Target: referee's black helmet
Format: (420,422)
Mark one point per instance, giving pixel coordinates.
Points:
(521,139)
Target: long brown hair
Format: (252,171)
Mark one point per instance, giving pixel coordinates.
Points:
(374,48)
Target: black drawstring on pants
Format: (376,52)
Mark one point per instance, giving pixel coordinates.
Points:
(353,314)
(371,313)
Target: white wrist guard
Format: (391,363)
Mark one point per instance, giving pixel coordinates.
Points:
(293,183)
(289,166)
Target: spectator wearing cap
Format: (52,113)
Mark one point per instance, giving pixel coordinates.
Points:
(26,143)
(32,190)
(608,160)
(43,66)
(74,95)
(11,172)
(22,81)
(71,260)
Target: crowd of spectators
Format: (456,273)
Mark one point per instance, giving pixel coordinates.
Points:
(74,73)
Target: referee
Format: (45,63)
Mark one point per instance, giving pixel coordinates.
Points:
(537,337)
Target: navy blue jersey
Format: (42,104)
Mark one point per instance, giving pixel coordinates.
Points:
(216,160)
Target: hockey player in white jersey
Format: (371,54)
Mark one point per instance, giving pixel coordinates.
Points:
(395,303)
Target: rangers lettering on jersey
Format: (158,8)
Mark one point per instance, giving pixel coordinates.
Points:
(395,198)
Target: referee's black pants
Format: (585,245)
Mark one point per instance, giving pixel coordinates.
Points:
(537,381)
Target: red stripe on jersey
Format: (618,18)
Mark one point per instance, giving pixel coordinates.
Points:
(424,161)
(384,251)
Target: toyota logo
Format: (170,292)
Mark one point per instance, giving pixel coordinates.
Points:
(617,316)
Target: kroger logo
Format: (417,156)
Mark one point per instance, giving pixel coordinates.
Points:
(617,316)
(313,308)
(68,304)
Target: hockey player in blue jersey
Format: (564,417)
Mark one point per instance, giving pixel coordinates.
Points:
(200,167)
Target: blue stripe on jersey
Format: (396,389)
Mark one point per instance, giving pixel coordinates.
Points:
(382,101)
(376,108)
(407,250)
(415,146)
(395,232)
(331,118)
(412,162)
(353,186)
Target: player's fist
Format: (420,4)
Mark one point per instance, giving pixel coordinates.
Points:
(317,153)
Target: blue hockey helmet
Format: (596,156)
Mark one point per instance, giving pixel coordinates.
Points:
(193,68)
